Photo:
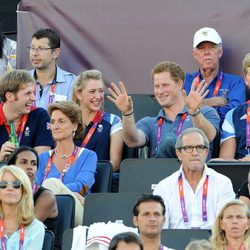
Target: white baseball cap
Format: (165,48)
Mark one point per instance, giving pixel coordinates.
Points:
(206,34)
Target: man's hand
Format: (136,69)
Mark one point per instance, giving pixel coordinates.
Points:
(120,98)
(6,150)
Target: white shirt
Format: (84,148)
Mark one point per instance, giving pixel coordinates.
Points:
(220,191)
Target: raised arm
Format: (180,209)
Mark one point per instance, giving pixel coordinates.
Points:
(132,136)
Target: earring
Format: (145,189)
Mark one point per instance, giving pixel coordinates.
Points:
(73,133)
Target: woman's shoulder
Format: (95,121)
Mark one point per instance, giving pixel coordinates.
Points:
(36,225)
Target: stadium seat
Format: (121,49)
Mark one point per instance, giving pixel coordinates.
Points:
(48,242)
(66,214)
(179,238)
(152,171)
(102,177)
(104,207)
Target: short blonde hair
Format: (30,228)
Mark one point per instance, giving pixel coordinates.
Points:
(218,238)
(82,79)
(246,63)
(25,208)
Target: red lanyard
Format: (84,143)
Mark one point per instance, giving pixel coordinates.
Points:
(160,123)
(98,118)
(3,239)
(217,85)
(182,200)
(68,164)
(21,127)
(51,96)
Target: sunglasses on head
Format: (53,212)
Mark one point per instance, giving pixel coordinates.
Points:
(14,184)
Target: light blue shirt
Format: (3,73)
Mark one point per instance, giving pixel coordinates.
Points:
(33,237)
(63,88)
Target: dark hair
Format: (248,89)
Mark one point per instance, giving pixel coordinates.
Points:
(13,157)
(54,38)
(127,237)
(149,198)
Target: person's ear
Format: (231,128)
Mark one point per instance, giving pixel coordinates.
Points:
(135,221)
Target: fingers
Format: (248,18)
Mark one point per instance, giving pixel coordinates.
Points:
(7,149)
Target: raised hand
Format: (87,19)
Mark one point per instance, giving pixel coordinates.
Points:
(196,95)
(120,98)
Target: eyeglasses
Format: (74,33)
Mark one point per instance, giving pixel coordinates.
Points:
(39,49)
(14,184)
(190,149)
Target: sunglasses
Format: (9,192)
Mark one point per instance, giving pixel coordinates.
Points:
(14,184)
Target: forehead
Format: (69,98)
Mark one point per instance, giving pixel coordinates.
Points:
(26,155)
(26,87)
(163,77)
(206,43)
(8,176)
(192,139)
(58,114)
(150,206)
(94,84)
(234,210)
(40,42)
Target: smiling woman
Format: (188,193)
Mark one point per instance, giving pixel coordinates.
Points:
(18,228)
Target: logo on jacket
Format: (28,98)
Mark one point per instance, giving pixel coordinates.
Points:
(99,128)
(27,131)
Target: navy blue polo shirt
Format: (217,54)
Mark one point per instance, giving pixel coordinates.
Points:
(36,131)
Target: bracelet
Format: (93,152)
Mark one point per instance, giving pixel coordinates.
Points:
(128,114)
(196,113)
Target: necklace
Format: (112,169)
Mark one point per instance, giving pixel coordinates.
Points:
(64,157)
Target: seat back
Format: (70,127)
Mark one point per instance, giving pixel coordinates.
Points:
(104,207)
(67,239)
(234,170)
(48,242)
(66,214)
(152,170)
(179,238)
(103,177)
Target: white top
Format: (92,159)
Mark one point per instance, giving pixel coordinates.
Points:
(220,191)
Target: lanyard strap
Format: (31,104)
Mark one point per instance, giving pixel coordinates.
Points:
(98,118)
(3,239)
(21,127)
(52,91)
(178,131)
(182,200)
(217,85)
(68,164)
(248,126)
(34,188)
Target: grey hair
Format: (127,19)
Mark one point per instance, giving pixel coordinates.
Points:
(187,131)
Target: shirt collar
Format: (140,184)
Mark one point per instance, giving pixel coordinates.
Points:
(2,116)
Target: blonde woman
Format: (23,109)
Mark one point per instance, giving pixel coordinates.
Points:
(18,227)
(231,227)
(103,132)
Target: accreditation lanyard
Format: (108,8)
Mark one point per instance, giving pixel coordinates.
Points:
(69,163)
(34,188)
(248,126)
(21,127)
(182,200)
(217,85)
(98,118)
(3,239)
(178,131)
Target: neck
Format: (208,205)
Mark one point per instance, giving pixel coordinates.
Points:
(172,111)
(235,244)
(151,243)
(10,213)
(209,74)
(65,147)
(87,115)
(193,177)
(10,114)
(45,76)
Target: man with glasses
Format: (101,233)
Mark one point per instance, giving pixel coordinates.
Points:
(194,194)
(226,91)
(52,83)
